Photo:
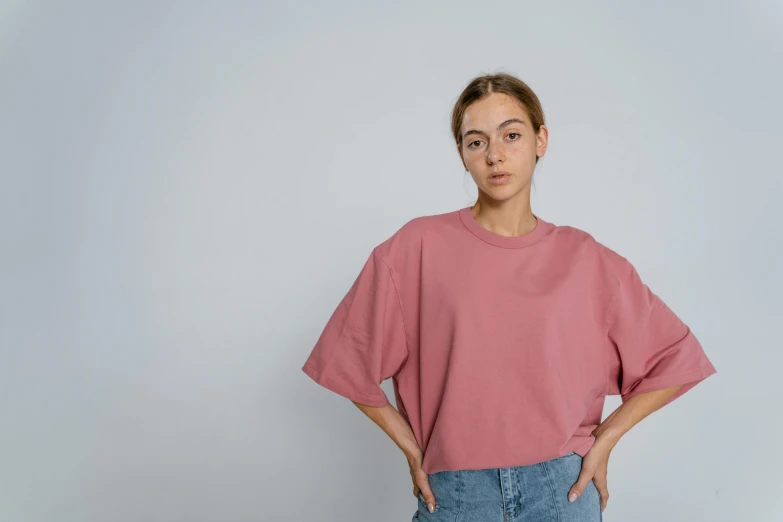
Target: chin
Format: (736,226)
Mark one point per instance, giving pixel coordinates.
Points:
(501,193)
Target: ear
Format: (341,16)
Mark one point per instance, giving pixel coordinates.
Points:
(542,139)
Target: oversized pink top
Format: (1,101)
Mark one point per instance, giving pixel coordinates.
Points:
(501,349)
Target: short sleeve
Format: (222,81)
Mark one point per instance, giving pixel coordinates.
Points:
(364,340)
(656,349)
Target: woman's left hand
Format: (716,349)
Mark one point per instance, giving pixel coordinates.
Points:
(594,465)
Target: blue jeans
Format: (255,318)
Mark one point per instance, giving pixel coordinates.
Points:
(534,493)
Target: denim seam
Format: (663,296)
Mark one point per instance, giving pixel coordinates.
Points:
(551,489)
(502,491)
(459,495)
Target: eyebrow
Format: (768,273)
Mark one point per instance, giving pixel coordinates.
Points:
(504,124)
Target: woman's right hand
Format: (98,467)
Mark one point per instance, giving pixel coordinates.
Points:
(421,482)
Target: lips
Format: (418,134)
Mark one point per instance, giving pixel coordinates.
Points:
(499,178)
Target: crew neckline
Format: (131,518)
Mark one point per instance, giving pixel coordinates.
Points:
(503,241)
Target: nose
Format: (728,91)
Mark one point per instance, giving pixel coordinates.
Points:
(494,154)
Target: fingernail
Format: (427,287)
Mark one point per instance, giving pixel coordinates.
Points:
(572,497)
(432,509)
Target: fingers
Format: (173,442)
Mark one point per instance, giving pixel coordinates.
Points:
(426,493)
(421,485)
(584,479)
(576,490)
(603,490)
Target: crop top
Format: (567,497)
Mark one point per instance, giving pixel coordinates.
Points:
(501,349)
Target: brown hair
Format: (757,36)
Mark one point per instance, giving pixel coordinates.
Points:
(483,86)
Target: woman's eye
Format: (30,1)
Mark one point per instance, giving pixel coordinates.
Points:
(472,142)
(513,134)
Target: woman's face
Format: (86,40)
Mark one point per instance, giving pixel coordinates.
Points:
(497,136)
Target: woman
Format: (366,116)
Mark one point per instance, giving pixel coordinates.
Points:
(503,333)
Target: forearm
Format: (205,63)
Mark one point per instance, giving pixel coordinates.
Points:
(628,414)
(395,426)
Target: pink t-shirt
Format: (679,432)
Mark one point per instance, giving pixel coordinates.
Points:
(501,349)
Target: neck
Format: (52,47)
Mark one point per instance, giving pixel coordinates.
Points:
(505,218)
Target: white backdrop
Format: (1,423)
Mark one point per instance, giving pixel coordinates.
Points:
(189,189)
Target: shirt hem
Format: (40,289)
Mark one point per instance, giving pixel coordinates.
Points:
(667,381)
(356,396)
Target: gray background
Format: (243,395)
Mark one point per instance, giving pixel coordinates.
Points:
(188,190)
